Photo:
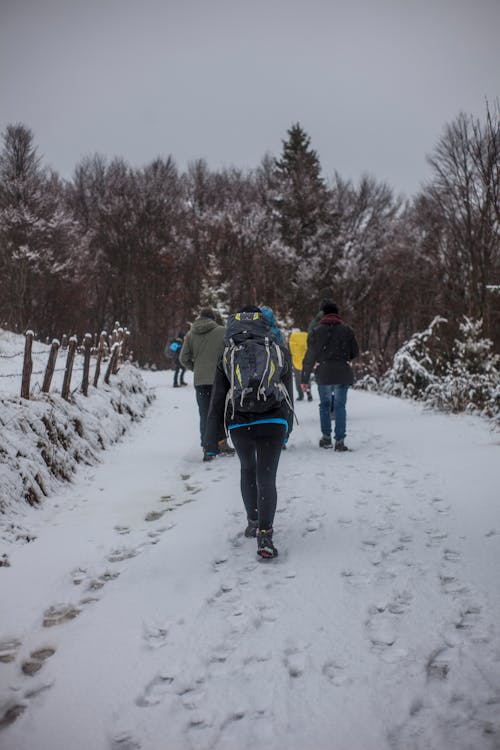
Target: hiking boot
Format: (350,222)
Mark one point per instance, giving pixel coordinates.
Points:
(225,448)
(325,441)
(251,529)
(340,446)
(265,546)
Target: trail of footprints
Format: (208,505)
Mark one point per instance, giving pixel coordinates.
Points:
(12,708)
(388,552)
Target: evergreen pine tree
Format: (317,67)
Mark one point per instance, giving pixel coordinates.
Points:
(214,291)
(300,193)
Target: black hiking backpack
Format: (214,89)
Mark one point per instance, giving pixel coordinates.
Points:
(253,362)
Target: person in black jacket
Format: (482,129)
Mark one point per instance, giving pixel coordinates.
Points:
(332,345)
(175,348)
(258,438)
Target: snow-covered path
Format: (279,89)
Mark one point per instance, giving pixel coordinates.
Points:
(140,617)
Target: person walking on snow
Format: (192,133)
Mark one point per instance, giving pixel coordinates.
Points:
(332,345)
(201,350)
(259,429)
(297,343)
(175,349)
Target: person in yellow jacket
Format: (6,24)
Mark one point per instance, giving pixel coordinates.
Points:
(297,343)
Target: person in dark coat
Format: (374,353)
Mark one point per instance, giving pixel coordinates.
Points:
(331,345)
(258,439)
(179,370)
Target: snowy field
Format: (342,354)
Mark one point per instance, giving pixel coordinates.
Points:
(139,617)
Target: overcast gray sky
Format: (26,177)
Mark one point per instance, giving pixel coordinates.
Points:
(373,82)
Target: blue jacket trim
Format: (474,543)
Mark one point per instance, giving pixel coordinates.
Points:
(276,420)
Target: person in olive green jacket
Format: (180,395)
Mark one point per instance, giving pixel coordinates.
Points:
(202,348)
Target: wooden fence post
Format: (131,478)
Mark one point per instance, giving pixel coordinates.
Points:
(87,345)
(27,365)
(100,352)
(112,362)
(69,368)
(49,370)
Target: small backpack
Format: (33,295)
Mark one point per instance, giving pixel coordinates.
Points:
(253,363)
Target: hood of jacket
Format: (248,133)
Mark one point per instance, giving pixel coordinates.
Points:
(331,319)
(203,325)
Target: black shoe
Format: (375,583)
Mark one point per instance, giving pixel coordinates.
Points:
(251,529)
(208,457)
(325,441)
(225,448)
(176,385)
(309,396)
(265,546)
(340,446)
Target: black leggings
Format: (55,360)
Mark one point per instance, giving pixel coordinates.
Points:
(259,449)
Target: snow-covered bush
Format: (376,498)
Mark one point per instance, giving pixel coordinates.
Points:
(463,377)
(471,382)
(418,364)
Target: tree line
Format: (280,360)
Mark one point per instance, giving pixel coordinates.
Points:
(148,245)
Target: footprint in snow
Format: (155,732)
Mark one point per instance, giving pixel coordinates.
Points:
(58,614)
(122,530)
(10,712)
(295,662)
(121,553)
(33,665)
(155,636)
(125,741)
(154,691)
(335,673)
(8,650)
(155,515)
(450,583)
(451,555)
(78,575)
(344,521)
(97,583)
(435,537)
(381,631)
(438,664)
(440,506)
(353,578)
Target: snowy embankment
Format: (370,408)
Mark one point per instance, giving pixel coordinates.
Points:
(139,618)
(44,440)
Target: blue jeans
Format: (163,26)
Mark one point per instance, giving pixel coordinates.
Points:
(339,393)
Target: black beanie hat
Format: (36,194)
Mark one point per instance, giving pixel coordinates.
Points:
(329,307)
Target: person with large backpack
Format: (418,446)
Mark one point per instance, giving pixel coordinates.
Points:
(252,396)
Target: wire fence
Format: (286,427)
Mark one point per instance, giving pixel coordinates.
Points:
(110,349)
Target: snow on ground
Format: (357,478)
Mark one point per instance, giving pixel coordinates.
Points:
(140,618)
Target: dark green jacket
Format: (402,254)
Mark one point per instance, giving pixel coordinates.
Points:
(202,349)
